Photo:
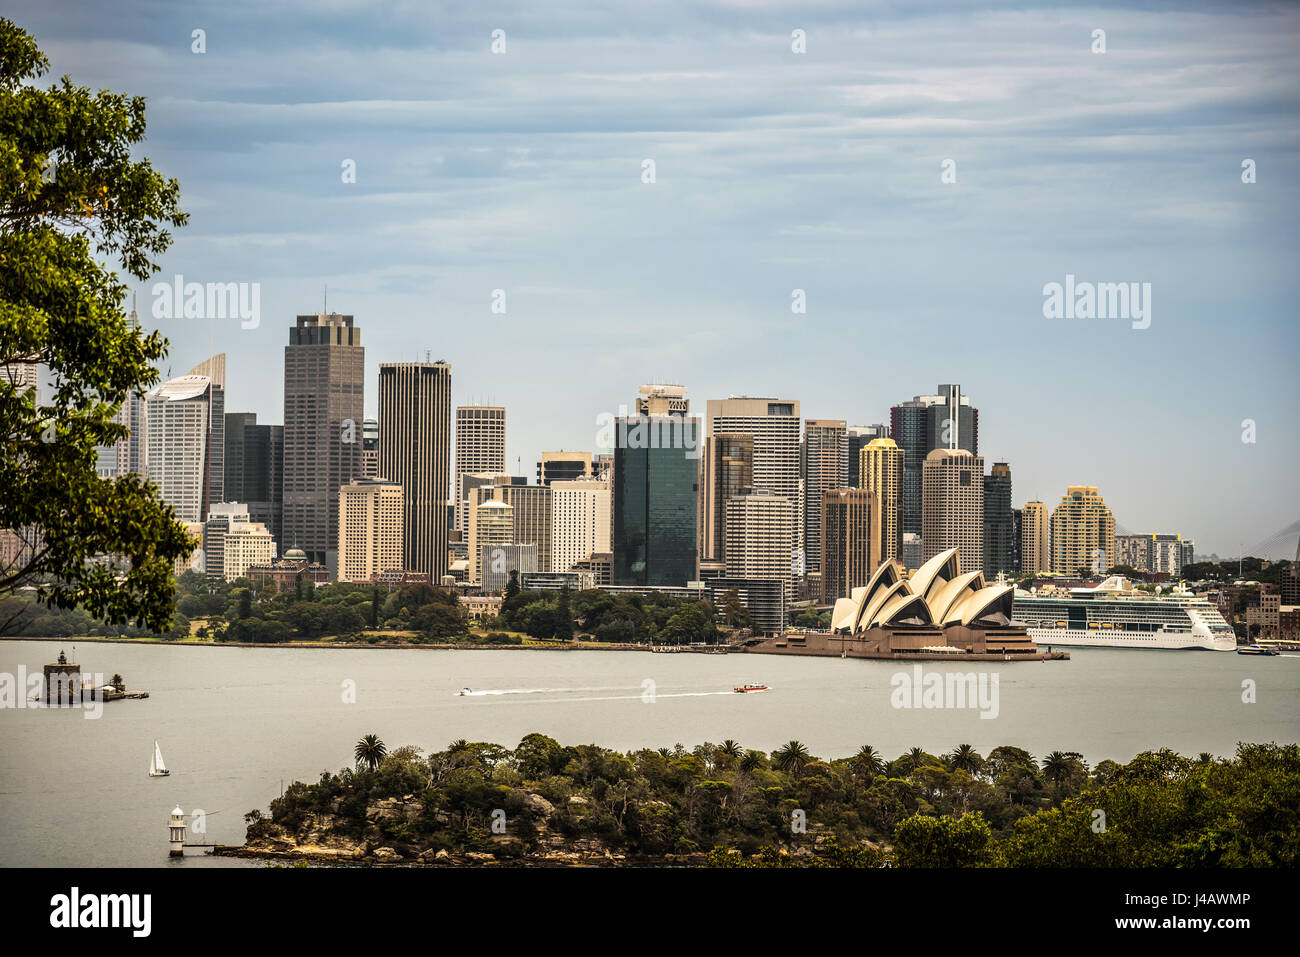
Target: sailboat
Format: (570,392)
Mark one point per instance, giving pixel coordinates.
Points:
(156,767)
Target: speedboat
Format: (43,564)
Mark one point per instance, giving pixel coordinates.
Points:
(746,689)
(1256,650)
(464,691)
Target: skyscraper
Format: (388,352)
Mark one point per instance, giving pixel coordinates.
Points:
(761,531)
(999,523)
(850,540)
(215,369)
(880,470)
(177,431)
(324,399)
(859,437)
(729,463)
(1083,533)
(654,501)
(490,523)
(415,452)
(254,468)
(661,398)
(480,446)
(370,448)
(952,503)
(563,467)
(775,426)
(928,422)
(371,529)
(126,456)
(825,466)
(581,521)
(1035,553)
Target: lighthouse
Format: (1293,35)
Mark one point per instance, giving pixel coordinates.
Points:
(177,828)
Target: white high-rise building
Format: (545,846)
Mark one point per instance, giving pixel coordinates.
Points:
(480,448)
(176,443)
(762,537)
(775,426)
(581,522)
(371,529)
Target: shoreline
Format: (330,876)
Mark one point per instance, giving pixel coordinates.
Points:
(454,646)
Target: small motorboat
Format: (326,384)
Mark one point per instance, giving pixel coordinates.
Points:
(1256,650)
(747,689)
(464,691)
(156,767)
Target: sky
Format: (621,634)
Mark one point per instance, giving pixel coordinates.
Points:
(920,171)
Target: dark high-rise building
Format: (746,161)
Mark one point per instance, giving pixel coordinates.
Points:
(850,541)
(254,469)
(928,422)
(324,400)
(825,465)
(859,437)
(654,502)
(1000,533)
(415,452)
(731,463)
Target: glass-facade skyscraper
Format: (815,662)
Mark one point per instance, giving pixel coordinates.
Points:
(928,422)
(656,474)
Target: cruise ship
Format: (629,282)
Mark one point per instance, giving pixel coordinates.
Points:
(1113,615)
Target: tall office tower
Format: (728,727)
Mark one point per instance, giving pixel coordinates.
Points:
(370,448)
(774,424)
(236,453)
(880,469)
(999,524)
(1035,555)
(480,445)
(1017,539)
(762,538)
(371,529)
(728,467)
(928,422)
(176,443)
(563,467)
(215,369)
(581,522)
(952,504)
(324,402)
(660,398)
(490,523)
(126,456)
(654,499)
(532,506)
(1083,533)
(850,540)
(825,466)
(414,452)
(860,436)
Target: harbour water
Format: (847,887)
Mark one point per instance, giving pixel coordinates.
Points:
(236,722)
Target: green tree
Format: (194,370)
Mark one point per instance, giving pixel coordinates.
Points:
(72,199)
(563,616)
(512,584)
(370,751)
(791,757)
(924,841)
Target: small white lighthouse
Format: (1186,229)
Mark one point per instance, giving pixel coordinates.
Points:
(177,828)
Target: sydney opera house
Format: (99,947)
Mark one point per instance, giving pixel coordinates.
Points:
(937,612)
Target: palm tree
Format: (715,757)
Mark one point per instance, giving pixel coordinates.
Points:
(917,757)
(965,758)
(791,757)
(868,761)
(731,748)
(460,744)
(370,751)
(1057,767)
(1205,757)
(751,761)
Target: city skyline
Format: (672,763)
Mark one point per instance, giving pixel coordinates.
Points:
(776,171)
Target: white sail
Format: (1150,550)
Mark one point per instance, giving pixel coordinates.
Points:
(156,766)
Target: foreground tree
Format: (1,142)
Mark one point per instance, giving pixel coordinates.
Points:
(71,197)
(370,751)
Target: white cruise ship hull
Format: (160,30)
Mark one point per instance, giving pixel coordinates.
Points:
(1116,638)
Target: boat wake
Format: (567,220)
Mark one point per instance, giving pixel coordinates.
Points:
(567,694)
